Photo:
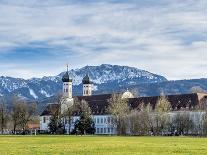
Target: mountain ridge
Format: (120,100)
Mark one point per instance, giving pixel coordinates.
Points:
(38,88)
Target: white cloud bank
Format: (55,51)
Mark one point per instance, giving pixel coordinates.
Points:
(168,38)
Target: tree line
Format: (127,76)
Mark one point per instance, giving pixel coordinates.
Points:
(145,119)
(16,117)
(158,120)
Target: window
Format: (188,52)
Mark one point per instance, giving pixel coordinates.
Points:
(101,120)
(44,119)
(66,90)
(97,130)
(101,130)
(97,120)
(104,130)
(108,120)
(108,130)
(112,130)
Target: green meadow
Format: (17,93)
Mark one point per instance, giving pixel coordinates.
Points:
(101,145)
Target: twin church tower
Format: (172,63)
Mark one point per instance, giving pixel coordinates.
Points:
(67,85)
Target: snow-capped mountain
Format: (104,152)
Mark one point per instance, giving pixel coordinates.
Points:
(104,76)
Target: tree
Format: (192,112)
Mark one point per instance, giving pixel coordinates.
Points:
(140,120)
(183,123)
(197,89)
(84,125)
(69,112)
(205,125)
(16,112)
(22,113)
(119,109)
(55,125)
(3,114)
(26,113)
(203,104)
(162,108)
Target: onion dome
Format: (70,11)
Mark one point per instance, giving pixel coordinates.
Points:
(86,80)
(127,94)
(66,77)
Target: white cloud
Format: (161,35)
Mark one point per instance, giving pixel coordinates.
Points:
(167,38)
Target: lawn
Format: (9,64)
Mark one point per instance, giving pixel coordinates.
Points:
(102,145)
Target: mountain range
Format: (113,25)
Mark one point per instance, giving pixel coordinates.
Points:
(106,78)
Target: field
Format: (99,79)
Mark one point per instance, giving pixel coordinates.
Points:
(102,145)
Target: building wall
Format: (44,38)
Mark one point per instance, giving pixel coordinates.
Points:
(87,89)
(67,89)
(103,124)
(44,121)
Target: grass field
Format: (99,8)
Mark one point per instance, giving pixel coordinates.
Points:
(88,145)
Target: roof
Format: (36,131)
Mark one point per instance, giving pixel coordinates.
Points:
(66,77)
(33,125)
(50,109)
(127,94)
(86,80)
(176,101)
(99,103)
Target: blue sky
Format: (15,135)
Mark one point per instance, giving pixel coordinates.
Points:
(169,37)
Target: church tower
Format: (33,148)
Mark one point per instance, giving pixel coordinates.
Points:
(87,86)
(67,85)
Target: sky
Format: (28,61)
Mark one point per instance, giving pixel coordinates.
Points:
(167,37)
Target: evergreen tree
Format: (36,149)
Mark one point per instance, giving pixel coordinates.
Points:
(85,124)
(55,125)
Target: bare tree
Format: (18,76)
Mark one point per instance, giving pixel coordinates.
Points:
(203,104)
(21,113)
(119,109)
(26,113)
(15,114)
(162,108)
(3,114)
(135,92)
(197,89)
(69,111)
(183,123)
(140,122)
(205,125)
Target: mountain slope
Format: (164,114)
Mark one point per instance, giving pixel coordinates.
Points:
(108,77)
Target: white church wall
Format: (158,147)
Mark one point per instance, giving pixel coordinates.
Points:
(44,121)
(103,124)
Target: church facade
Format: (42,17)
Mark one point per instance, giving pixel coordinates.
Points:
(99,104)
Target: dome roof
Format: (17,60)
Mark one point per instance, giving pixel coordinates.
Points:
(86,80)
(66,77)
(127,94)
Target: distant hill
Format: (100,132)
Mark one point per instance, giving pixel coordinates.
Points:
(106,78)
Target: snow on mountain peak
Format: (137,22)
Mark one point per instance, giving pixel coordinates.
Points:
(37,88)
